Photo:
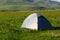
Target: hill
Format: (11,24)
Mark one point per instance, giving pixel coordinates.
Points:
(29,5)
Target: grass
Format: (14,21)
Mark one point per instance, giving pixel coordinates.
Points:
(10,26)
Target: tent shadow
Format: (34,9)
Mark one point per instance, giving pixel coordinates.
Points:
(53,28)
(56,28)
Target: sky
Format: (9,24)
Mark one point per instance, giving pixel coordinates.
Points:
(56,0)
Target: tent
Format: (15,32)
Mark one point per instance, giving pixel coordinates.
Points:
(36,22)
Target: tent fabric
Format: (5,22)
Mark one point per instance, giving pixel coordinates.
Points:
(30,22)
(43,23)
(36,22)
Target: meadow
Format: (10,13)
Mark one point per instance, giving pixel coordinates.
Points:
(10,26)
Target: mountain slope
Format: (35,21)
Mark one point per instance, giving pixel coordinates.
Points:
(30,4)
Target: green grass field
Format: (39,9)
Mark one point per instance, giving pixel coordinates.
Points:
(10,26)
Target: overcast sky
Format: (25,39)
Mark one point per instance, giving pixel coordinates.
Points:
(56,0)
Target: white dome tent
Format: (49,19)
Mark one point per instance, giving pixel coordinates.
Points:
(36,22)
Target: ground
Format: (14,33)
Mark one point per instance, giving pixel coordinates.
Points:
(10,26)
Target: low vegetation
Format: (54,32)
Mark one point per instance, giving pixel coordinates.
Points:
(10,26)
